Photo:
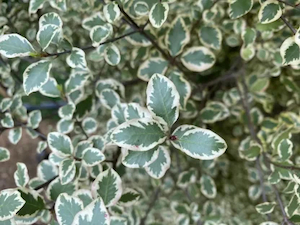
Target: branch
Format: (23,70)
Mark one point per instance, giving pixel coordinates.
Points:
(90,47)
(288,24)
(151,205)
(282,166)
(45,184)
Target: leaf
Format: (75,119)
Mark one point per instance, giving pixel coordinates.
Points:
(111,12)
(158,14)
(92,156)
(265,208)
(138,134)
(65,126)
(66,208)
(66,111)
(85,196)
(293,205)
(34,118)
(99,34)
(114,220)
(7,121)
(46,170)
(210,36)
(51,18)
(248,36)
(94,20)
(60,144)
(14,45)
(76,81)
(36,75)
(35,5)
(112,55)
(186,178)
(208,187)
(141,8)
(21,175)
(159,166)
(15,135)
(89,125)
(46,34)
(139,159)
(94,213)
(198,143)
(251,153)
(269,12)
(11,203)
(109,98)
(198,59)
(55,188)
(110,84)
(177,36)
(67,171)
(5,104)
(98,142)
(285,149)
(4,155)
(129,197)
(163,99)
(34,203)
(50,89)
(108,186)
(77,59)
(238,8)
(152,66)
(290,52)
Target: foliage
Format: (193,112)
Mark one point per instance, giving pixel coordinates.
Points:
(165,112)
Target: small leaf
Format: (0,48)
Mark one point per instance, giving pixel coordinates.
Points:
(11,203)
(46,170)
(99,34)
(198,59)
(269,12)
(248,36)
(129,197)
(112,55)
(34,203)
(252,153)
(5,104)
(159,166)
(265,208)
(60,144)
(55,188)
(93,20)
(293,205)
(14,45)
(4,156)
(51,18)
(67,171)
(163,99)
(138,134)
(77,59)
(198,143)
(94,213)
(158,14)
(34,118)
(89,125)
(65,126)
(50,89)
(290,52)
(238,8)
(108,186)
(284,149)
(66,111)
(35,5)
(152,66)
(66,208)
(14,135)
(92,156)
(211,36)
(111,12)
(109,98)
(21,175)
(46,34)
(76,81)
(36,75)
(7,121)
(139,159)
(208,187)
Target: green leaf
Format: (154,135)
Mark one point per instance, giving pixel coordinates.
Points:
(139,159)
(138,134)
(238,8)
(129,197)
(34,203)
(211,36)
(98,142)
(77,59)
(7,121)
(5,104)
(99,34)
(46,170)
(158,14)
(60,144)
(134,111)
(67,171)
(208,186)
(251,153)
(89,125)
(11,203)
(198,143)
(111,12)
(65,126)
(34,118)
(92,156)
(248,36)
(51,18)
(269,12)
(14,45)
(109,98)
(35,5)
(152,66)
(198,59)
(50,89)
(36,75)
(159,166)
(285,149)
(115,220)
(186,178)
(21,175)
(94,213)
(265,208)
(14,135)
(141,8)
(84,195)
(46,34)
(293,205)
(177,36)
(77,80)
(108,186)
(66,111)
(55,188)
(163,99)
(66,208)
(112,55)
(93,20)
(290,52)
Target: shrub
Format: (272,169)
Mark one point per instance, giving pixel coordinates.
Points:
(166,112)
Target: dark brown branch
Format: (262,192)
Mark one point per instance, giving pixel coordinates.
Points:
(288,24)
(151,205)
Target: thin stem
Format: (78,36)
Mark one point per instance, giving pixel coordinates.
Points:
(282,166)
(91,47)
(83,131)
(151,205)
(288,24)
(45,184)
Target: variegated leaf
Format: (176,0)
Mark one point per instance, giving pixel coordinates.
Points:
(111,12)
(50,88)
(34,118)
(211,36)
(269,12)
(67,171)
(14,135)
(92,156)
(265,208)
(152,66)
(208,187)
(60,144)
(77,59)
(4,154)
(11,203)
(238,8)
(21,176)
(158,14)
(139,159)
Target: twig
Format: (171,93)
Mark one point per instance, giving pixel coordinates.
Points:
(83,131)
(289,4)
(45,184)
(151,205)
(282,166)
(288,24)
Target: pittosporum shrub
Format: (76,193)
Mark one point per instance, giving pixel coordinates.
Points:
(168,112)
